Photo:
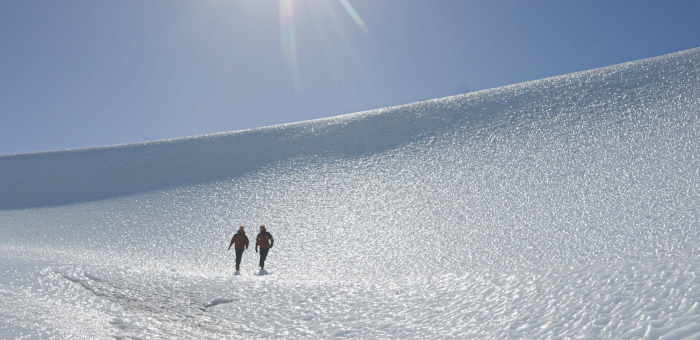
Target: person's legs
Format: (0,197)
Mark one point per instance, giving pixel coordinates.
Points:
(263,256)
(239,255)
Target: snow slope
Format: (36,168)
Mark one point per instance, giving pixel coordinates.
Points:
(564,207)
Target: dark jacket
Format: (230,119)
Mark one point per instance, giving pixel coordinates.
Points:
(264,240)
(240,241)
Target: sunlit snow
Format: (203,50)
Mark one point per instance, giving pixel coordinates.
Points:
(567,207)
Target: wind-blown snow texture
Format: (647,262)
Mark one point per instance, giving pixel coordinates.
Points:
(565,207)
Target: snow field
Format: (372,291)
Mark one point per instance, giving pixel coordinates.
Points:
(650,300)
(561,208)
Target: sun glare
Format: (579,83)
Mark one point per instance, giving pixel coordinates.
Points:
(355,16)
(288,34)
(288,39)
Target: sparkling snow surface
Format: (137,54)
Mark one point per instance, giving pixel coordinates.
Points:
(562,208)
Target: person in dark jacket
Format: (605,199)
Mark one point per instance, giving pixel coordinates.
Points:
(265,242)
(241,243)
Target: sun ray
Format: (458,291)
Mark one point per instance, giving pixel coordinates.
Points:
(350,53)
(355,16)
(288,39)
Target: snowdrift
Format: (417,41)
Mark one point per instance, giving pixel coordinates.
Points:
(567,206)
(630,91)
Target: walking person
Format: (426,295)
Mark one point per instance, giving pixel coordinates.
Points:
(240,240)
(265,242)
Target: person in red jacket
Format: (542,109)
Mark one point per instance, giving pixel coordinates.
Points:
(241,242)
(265,241)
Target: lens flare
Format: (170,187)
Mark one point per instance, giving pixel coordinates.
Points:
(288,35)
(288,39)
(355,16)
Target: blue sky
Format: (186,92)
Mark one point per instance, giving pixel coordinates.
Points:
(90,73)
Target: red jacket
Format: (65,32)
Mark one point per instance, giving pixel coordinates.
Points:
(264,240)
(240,241)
